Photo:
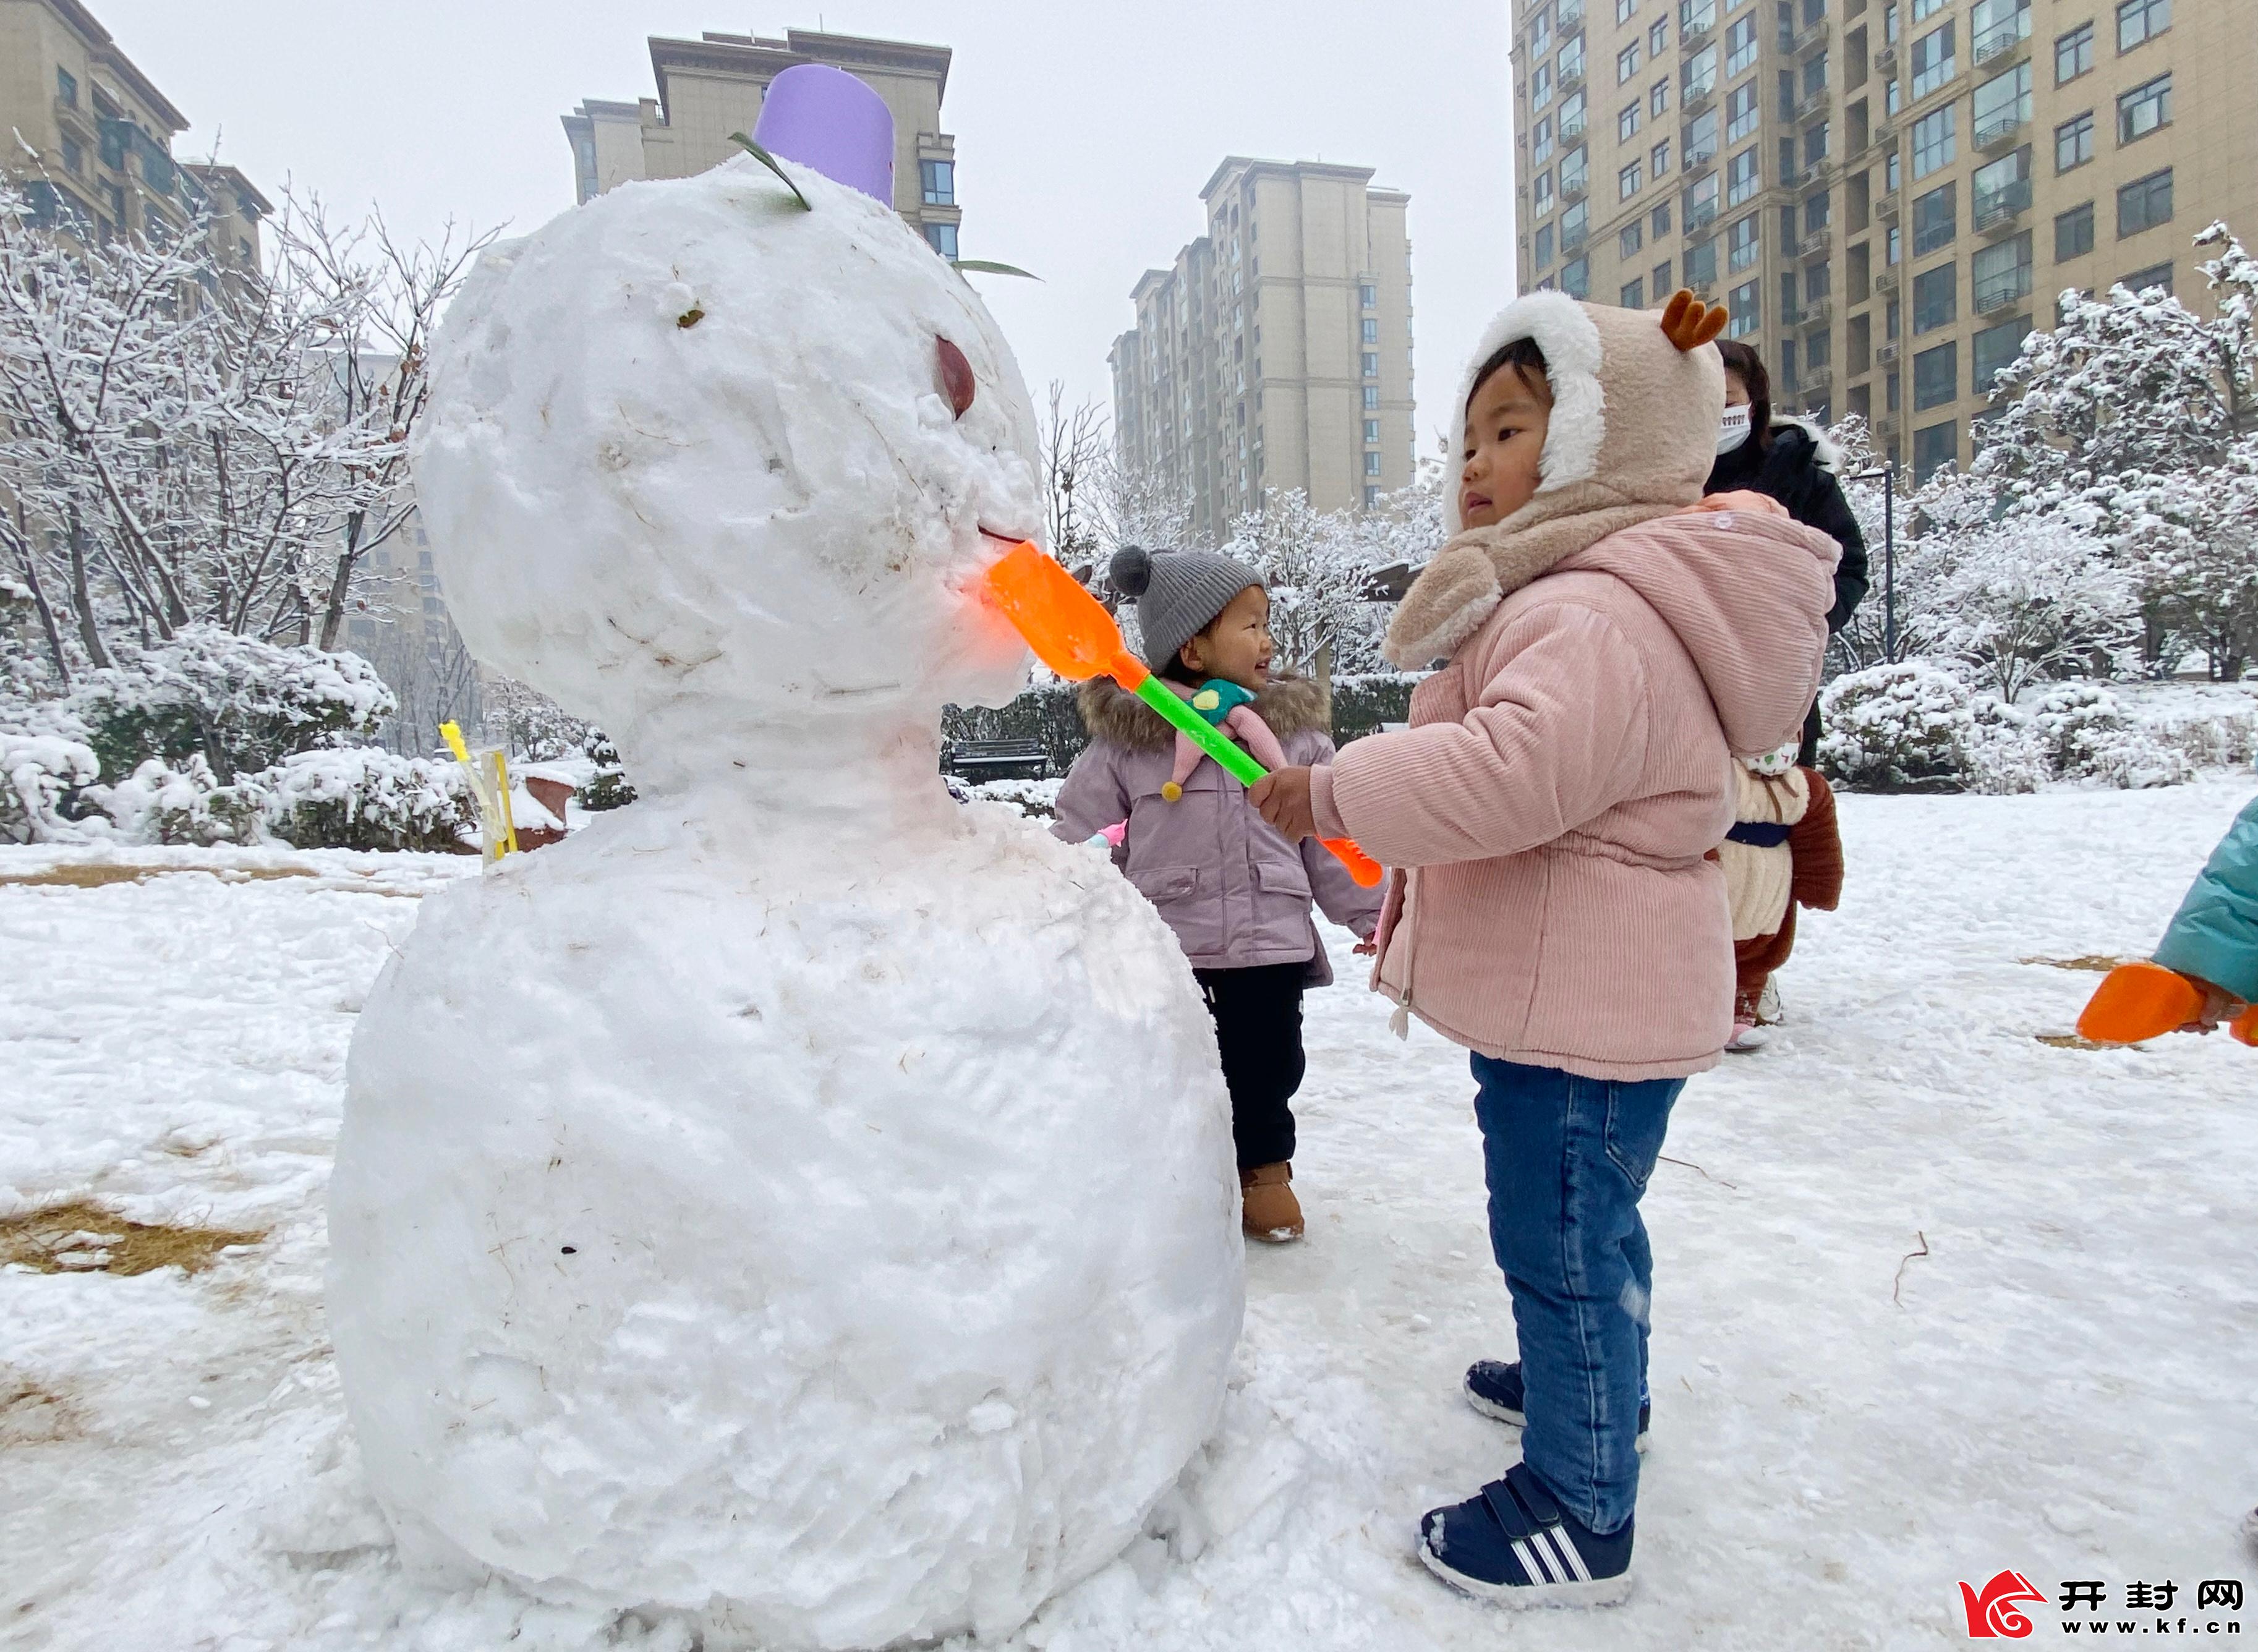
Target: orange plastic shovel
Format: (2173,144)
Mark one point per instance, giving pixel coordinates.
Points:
(2141,1001)
(1071,633)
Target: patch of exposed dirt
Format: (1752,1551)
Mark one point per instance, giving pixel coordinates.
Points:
(32,1413)
(82,1236)
(2071,1041)
(2094,962)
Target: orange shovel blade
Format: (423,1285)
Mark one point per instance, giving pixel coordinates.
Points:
(1067,628)
(2138,1000)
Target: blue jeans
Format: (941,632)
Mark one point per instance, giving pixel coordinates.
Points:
(1567,1159)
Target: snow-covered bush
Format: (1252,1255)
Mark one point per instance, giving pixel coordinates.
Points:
(2087,736)
(2212,740)
(160,804)
(240,704)
(2005,753)
(1901,727)
(1037,799)
(365,797)
(39,774)
(610,788)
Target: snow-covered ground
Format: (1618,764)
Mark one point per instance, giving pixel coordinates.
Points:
(2064,1384)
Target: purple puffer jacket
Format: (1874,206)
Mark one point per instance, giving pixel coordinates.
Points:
(1236,892)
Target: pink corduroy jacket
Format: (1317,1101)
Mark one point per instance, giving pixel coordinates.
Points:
(1568,768)
(1564,779)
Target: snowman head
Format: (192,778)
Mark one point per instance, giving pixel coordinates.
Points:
(721,472)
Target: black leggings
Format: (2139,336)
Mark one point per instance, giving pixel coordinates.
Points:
(1258,1028)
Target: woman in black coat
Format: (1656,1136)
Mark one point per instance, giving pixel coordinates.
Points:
(1792,463)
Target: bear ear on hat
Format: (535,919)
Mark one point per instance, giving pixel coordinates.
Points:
(1689,323)
(1131,571)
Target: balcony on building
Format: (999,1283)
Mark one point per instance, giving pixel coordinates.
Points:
(1698,99)
(2001,131)
(1819,313)
(1997,211)
(1813,36)
(1996,42)
(1886,207)
(1816,245)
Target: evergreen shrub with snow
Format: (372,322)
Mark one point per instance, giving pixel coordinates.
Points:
(160,804)
(1902,727)
(41,773)
(366,798)
(2087,736)
(239,703)
(609,789)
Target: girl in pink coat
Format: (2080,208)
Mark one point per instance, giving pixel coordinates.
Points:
(1603,656)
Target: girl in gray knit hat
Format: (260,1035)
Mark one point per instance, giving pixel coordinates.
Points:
(1236,892)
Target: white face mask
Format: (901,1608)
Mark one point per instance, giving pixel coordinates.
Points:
(1735,430)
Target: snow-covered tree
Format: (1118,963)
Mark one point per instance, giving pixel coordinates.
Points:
(181,447)
(1074,456)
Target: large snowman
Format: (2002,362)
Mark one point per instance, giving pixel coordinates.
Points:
(796,1200)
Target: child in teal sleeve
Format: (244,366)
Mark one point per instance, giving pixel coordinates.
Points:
(2205,969)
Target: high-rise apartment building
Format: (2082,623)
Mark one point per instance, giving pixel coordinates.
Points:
(1885,194)
(1276,353)
(95,151)
(712,86)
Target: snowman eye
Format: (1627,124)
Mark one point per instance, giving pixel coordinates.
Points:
(956,381)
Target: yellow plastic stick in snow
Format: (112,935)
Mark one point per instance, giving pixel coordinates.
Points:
(492,785)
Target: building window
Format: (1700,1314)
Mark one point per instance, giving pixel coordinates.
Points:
(1741,177)
(1814,142)
(1626,122)
(1367,296)
(2003,103)
(1571,61)
(1372,330)
(1660,281)
(1371,397)
(1371,497)
(1576,279)
(1999,275)
(1935,220)
(2144,109)
(1572,116)
(1658,101)
(1372,363)
(1623,9)
(1540,33)
(1745,307)
(1935,299)
(1934,449)
(1371,430)
(1740,46)
(1700,72)
(2073,233)
(942,238)
(74,156)
(1544,190)
(1891,170)
(1634,295)
(1543,254)
(2144,203)
(1935,140)
(1372,463)
(1924,10)
(1893,247)
(1658,38)
(2139,20)
(1740,112)
(2073,54)
(1701,137)
(940,179)
(1743,243)
(1933,62)
(1629,243)
(1629,182)
(2156,276)
(1571,227)
(1574,166)
(1540,147)
(1701,265)
(1659,221)
(1994,351)
(1626,62)
(1540,86)
(1658,158)
(2073,143)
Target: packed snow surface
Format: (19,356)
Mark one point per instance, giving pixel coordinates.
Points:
(797,1201)
(2061,1384)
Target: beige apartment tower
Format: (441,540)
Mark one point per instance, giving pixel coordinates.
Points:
(1276,353)
(1886,194)
(89,139)
(712,86)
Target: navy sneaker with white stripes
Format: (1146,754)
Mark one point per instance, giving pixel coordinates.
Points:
(1494,1388)
(1515,1545)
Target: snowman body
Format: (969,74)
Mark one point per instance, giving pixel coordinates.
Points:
(795,1200)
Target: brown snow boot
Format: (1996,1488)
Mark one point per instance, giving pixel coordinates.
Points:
(1269,1211)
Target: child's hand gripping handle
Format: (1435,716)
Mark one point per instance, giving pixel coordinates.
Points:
(2137,1002)
(1071,633)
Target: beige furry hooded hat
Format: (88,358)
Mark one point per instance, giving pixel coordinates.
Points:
(1632,436)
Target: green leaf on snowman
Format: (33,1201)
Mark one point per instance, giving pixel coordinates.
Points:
(986,268)
(774,166)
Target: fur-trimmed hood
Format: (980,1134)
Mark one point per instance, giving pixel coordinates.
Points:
(1289,704)
(1826,451)
(1632,436)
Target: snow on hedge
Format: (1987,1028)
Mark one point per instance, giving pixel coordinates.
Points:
(365,797)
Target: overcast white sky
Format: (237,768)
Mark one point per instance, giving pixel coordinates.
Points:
(1083,132)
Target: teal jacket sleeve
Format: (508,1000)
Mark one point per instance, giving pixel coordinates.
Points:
(2215,934)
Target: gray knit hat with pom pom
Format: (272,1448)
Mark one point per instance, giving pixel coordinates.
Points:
(1178,593)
